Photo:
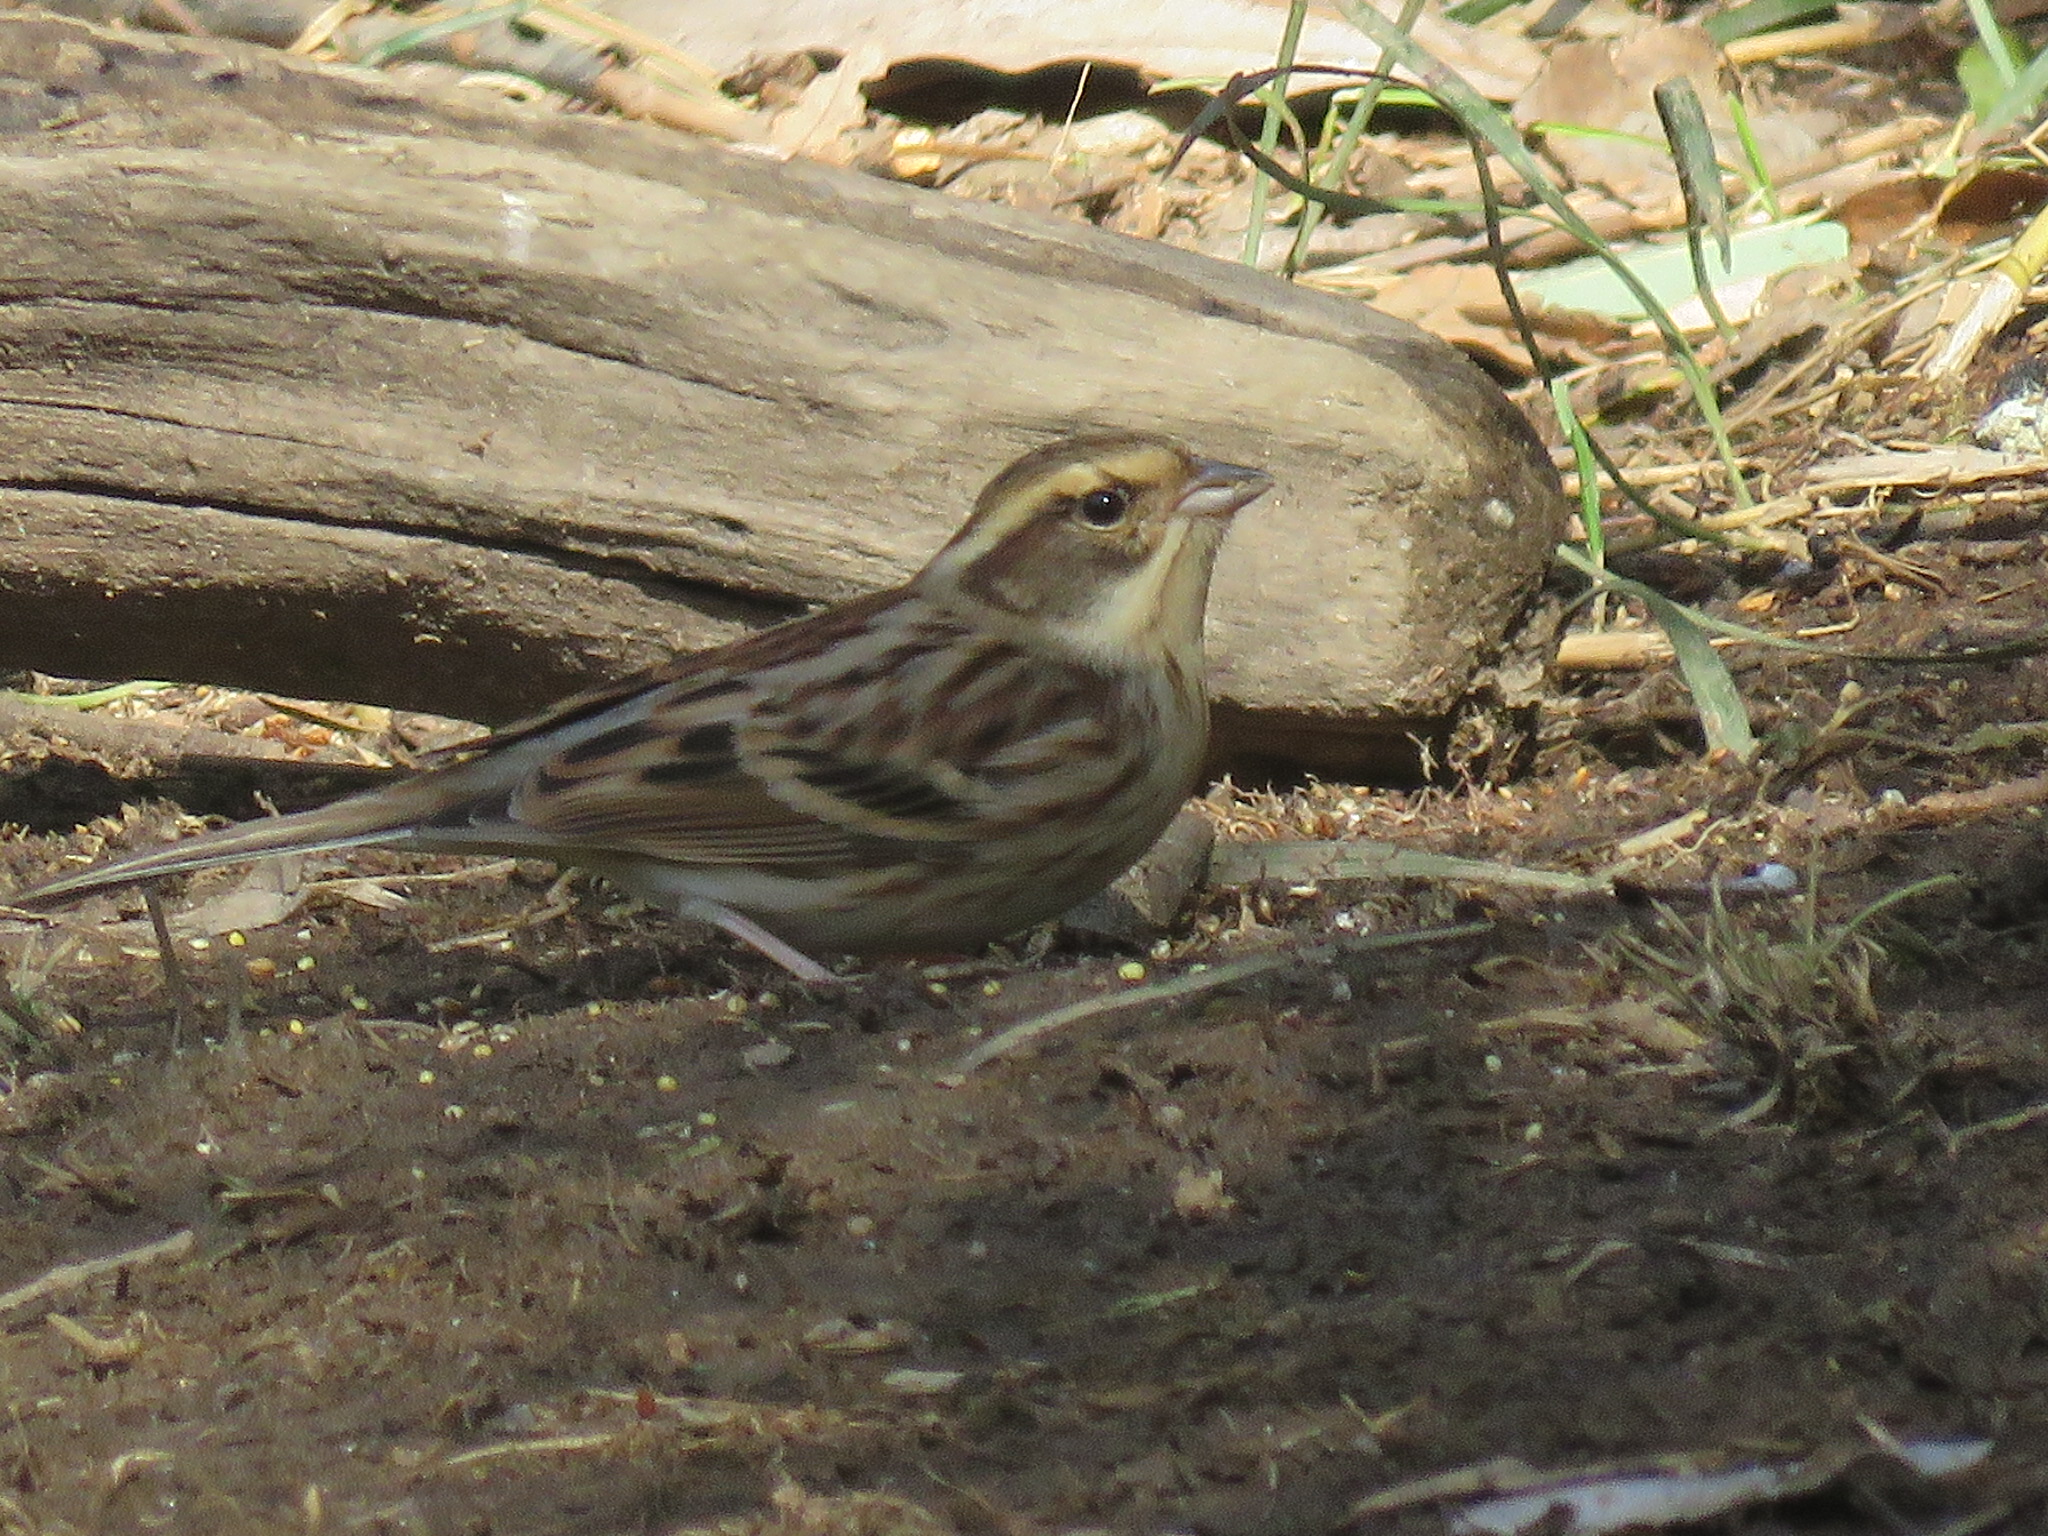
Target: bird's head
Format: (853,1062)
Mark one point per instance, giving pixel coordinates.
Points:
(1104,541)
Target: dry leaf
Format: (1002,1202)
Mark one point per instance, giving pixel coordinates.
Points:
(1189,38)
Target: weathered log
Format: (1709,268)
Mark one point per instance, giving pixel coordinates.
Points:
(315,383)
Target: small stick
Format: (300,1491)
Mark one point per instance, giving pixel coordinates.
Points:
(1946,807)
(69,1277)
(174,972)
(1019,1035)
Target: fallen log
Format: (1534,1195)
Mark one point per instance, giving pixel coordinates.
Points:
(315,383)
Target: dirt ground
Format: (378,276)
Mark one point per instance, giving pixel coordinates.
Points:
(453,1200)
(494,1207)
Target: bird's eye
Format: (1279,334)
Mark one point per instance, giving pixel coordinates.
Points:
(1104,508)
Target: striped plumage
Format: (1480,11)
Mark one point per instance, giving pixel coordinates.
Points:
(922,769)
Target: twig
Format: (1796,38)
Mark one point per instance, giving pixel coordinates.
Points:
(69,1277)
(1019,1035)
(1353,858)
(1615,650)
(2018,1120)
(551,1445)
(1997,299)
(1944,808)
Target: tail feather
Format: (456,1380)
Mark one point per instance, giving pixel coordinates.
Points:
(386,816)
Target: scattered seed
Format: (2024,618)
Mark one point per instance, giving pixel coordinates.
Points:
(1198,1194)
(912,1383)
(842,1336)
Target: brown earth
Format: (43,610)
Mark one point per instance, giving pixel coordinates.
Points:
(514,1212)
(504,1210)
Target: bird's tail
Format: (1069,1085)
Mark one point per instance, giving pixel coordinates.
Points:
(387,816)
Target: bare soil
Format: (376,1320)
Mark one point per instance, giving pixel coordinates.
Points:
(513,1211)
(460,1202)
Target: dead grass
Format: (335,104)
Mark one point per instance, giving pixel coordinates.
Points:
(1797,997)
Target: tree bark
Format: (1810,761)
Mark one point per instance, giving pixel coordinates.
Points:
(314,383)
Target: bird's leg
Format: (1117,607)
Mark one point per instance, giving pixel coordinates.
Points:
(175,987)
(747,931)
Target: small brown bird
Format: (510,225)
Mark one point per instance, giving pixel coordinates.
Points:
(924,769)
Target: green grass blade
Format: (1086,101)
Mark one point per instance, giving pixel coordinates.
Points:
(444,26)
(1471,12)
(1996,42)
(1480,117)
(1761,16)
(2022,99)
(1589,471)
(1759,175)
(1699,182)
(1723,715)
(1346,144)
(1269,130)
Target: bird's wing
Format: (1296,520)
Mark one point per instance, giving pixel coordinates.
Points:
(671,781)
(684,674)
(895,736)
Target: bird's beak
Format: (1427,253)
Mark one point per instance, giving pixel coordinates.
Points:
(1218,491)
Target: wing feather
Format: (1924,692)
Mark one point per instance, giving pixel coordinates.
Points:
(903,738)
